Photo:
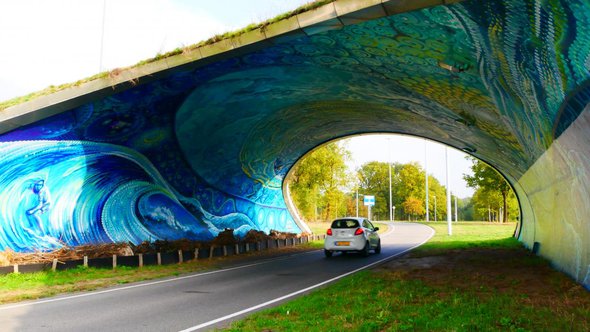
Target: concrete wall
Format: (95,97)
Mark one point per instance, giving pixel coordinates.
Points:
(557,187)
(203,141)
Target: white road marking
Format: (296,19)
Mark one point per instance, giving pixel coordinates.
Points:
(20,305)
(262,305)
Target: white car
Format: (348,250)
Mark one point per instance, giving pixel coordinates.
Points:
(352,234)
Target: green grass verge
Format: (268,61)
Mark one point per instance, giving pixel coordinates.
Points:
(484,281)
(370,301)
(469,235)
(25,286)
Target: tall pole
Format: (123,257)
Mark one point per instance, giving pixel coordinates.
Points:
(456,209)
(426,176)
(390,195)
(434,207)
(449,226)
(357,201)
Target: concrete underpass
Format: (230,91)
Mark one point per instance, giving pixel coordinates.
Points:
(188,145)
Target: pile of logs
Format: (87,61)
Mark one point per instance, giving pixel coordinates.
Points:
(226,237)
(65,253)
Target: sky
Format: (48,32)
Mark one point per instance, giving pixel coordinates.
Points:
(405,149)
(45,43)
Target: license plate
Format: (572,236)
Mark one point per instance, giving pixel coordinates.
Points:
(342,243)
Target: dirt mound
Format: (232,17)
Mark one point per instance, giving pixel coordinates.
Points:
(254,236)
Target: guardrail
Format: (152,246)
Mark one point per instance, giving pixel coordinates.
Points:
(160,258)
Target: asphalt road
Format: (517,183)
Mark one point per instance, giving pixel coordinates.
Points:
(201,301)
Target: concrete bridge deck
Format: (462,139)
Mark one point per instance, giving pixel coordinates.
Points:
(200,141)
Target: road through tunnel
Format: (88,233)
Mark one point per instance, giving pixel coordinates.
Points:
(218,128)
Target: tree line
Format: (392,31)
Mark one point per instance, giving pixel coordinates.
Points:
(323,188)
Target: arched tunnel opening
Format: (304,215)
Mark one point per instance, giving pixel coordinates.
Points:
(210,139)
(324,183)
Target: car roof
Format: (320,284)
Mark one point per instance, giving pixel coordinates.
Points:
(350,218)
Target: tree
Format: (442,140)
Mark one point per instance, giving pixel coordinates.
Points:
(414,206)
(466,209)
(486,204)
(374,180)
(407,181)
(491,183)
(318,181)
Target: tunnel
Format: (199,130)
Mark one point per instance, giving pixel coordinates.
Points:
(193,143)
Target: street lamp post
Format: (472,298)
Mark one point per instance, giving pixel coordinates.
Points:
(434,196)
(357,201)
(456,209)
(426,179)
(449,226)
(390,194)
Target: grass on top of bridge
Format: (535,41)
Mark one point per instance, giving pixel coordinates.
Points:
(479,279)
(178,51)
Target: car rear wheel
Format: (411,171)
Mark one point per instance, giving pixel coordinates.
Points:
(366,249)
(378,248)
(328,253)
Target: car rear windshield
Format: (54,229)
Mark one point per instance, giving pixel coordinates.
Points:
(345,223)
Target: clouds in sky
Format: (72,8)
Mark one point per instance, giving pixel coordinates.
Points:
(46,43)
(53,42)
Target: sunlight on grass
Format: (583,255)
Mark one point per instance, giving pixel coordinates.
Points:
(484,281)
(469,235)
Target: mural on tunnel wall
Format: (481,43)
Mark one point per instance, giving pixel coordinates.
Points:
(57,189)
(205,149)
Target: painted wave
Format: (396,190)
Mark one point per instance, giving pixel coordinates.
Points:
(55,193)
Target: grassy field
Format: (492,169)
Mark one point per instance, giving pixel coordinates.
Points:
(479,279)
(18,287)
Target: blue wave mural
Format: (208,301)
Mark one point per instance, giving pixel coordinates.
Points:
(70,192)
(205,147)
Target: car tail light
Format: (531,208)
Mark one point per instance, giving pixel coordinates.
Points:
(359,231)
(329,232)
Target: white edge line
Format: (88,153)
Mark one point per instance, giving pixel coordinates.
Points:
(220,319)
(8,307)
